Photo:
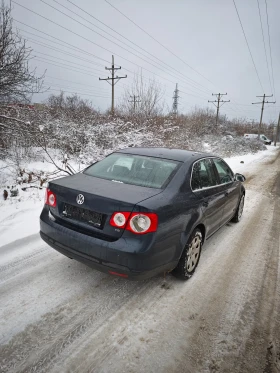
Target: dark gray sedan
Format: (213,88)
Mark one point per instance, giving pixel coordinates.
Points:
(142,211)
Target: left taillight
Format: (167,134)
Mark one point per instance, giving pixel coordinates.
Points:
(119,219)
(50,198)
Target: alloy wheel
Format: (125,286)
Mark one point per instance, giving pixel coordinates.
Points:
(193,253)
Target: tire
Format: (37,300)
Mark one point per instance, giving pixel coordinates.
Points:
(187,264)
(239,210)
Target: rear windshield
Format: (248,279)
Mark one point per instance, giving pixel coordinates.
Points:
(134,169)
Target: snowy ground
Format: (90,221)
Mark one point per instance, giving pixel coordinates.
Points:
(57,315)
(19,215)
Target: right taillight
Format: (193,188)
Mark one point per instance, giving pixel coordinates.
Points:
(50,198)
(138,223)
(141,223)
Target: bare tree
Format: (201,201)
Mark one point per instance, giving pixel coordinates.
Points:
(149,95)
(17,81)
(71,107)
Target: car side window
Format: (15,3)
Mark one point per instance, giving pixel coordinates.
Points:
(203,175)
(225,173)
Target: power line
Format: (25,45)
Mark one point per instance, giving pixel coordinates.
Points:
(270,47)
(190,94)
(87,90)
(112,41)
(68,90)
(65,28)
(158,42)
(138,46)
(262,109)
(264,45)
(63,59)
(113,81)
(70,81)
(54,48)
(72,92)
(138,27)
(72,55)
(175,101)
(93,55)
(219,96)
(90,41)
(134,101)
(71,46)
(67,53)
(96,27)
(247,44)
(65,66)
(63,52)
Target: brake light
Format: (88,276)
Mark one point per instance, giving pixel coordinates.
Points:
(50,198)
(141,223)
(118,274)
(119,219)
(138,223)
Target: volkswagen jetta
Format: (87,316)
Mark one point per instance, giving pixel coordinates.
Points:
(142,211)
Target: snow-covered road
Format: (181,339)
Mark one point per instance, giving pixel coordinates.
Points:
(57,315)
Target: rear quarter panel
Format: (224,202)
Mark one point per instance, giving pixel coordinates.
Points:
(178,213)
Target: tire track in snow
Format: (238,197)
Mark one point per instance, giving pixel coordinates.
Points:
(24,259)
(75,322)
(94,323)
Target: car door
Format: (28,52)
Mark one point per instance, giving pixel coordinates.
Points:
(230,188)
(204,183)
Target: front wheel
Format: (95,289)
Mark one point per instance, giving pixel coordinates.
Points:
(239,211)
(190,256)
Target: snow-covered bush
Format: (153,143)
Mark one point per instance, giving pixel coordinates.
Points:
(69,125)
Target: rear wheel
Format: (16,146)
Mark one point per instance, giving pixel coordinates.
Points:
(239,211)
(190,256)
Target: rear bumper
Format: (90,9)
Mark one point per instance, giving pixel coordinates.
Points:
(123,256)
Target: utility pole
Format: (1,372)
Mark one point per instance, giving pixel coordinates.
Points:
(134,101)
(219,96)
(277,131)
(262,102)
(175,101)
(114,80)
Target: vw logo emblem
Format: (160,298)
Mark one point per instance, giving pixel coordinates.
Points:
(80,199)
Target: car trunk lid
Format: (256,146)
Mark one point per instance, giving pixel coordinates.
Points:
(98,200)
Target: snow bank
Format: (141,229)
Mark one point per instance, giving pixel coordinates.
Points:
(245,163)
(19,216)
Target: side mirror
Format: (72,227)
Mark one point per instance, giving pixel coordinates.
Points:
(240,177)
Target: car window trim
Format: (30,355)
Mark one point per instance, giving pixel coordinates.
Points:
(214,186)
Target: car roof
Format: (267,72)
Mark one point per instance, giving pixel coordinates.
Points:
(167,153)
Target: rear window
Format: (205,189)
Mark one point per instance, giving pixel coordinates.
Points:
(134,169)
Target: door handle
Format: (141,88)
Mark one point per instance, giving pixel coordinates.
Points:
(226,194)
(205,203)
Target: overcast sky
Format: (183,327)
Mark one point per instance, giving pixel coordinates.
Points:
(205,52)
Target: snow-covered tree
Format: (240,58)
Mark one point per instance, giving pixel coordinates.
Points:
(17,81)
